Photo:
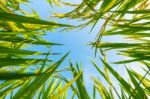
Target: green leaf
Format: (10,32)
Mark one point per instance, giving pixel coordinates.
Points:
(30,89)
(23,19)
(127,87)
(15,76)
(80,83)
(63,90)
(101,88)
(19,62)
(138,88)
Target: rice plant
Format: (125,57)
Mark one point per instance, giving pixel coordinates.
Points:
(128,19)
(18,29)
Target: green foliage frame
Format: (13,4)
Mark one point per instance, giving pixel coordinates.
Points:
(127,18)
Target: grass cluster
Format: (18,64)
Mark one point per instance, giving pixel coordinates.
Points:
(19,29)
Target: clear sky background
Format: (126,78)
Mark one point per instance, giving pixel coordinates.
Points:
(75,41)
